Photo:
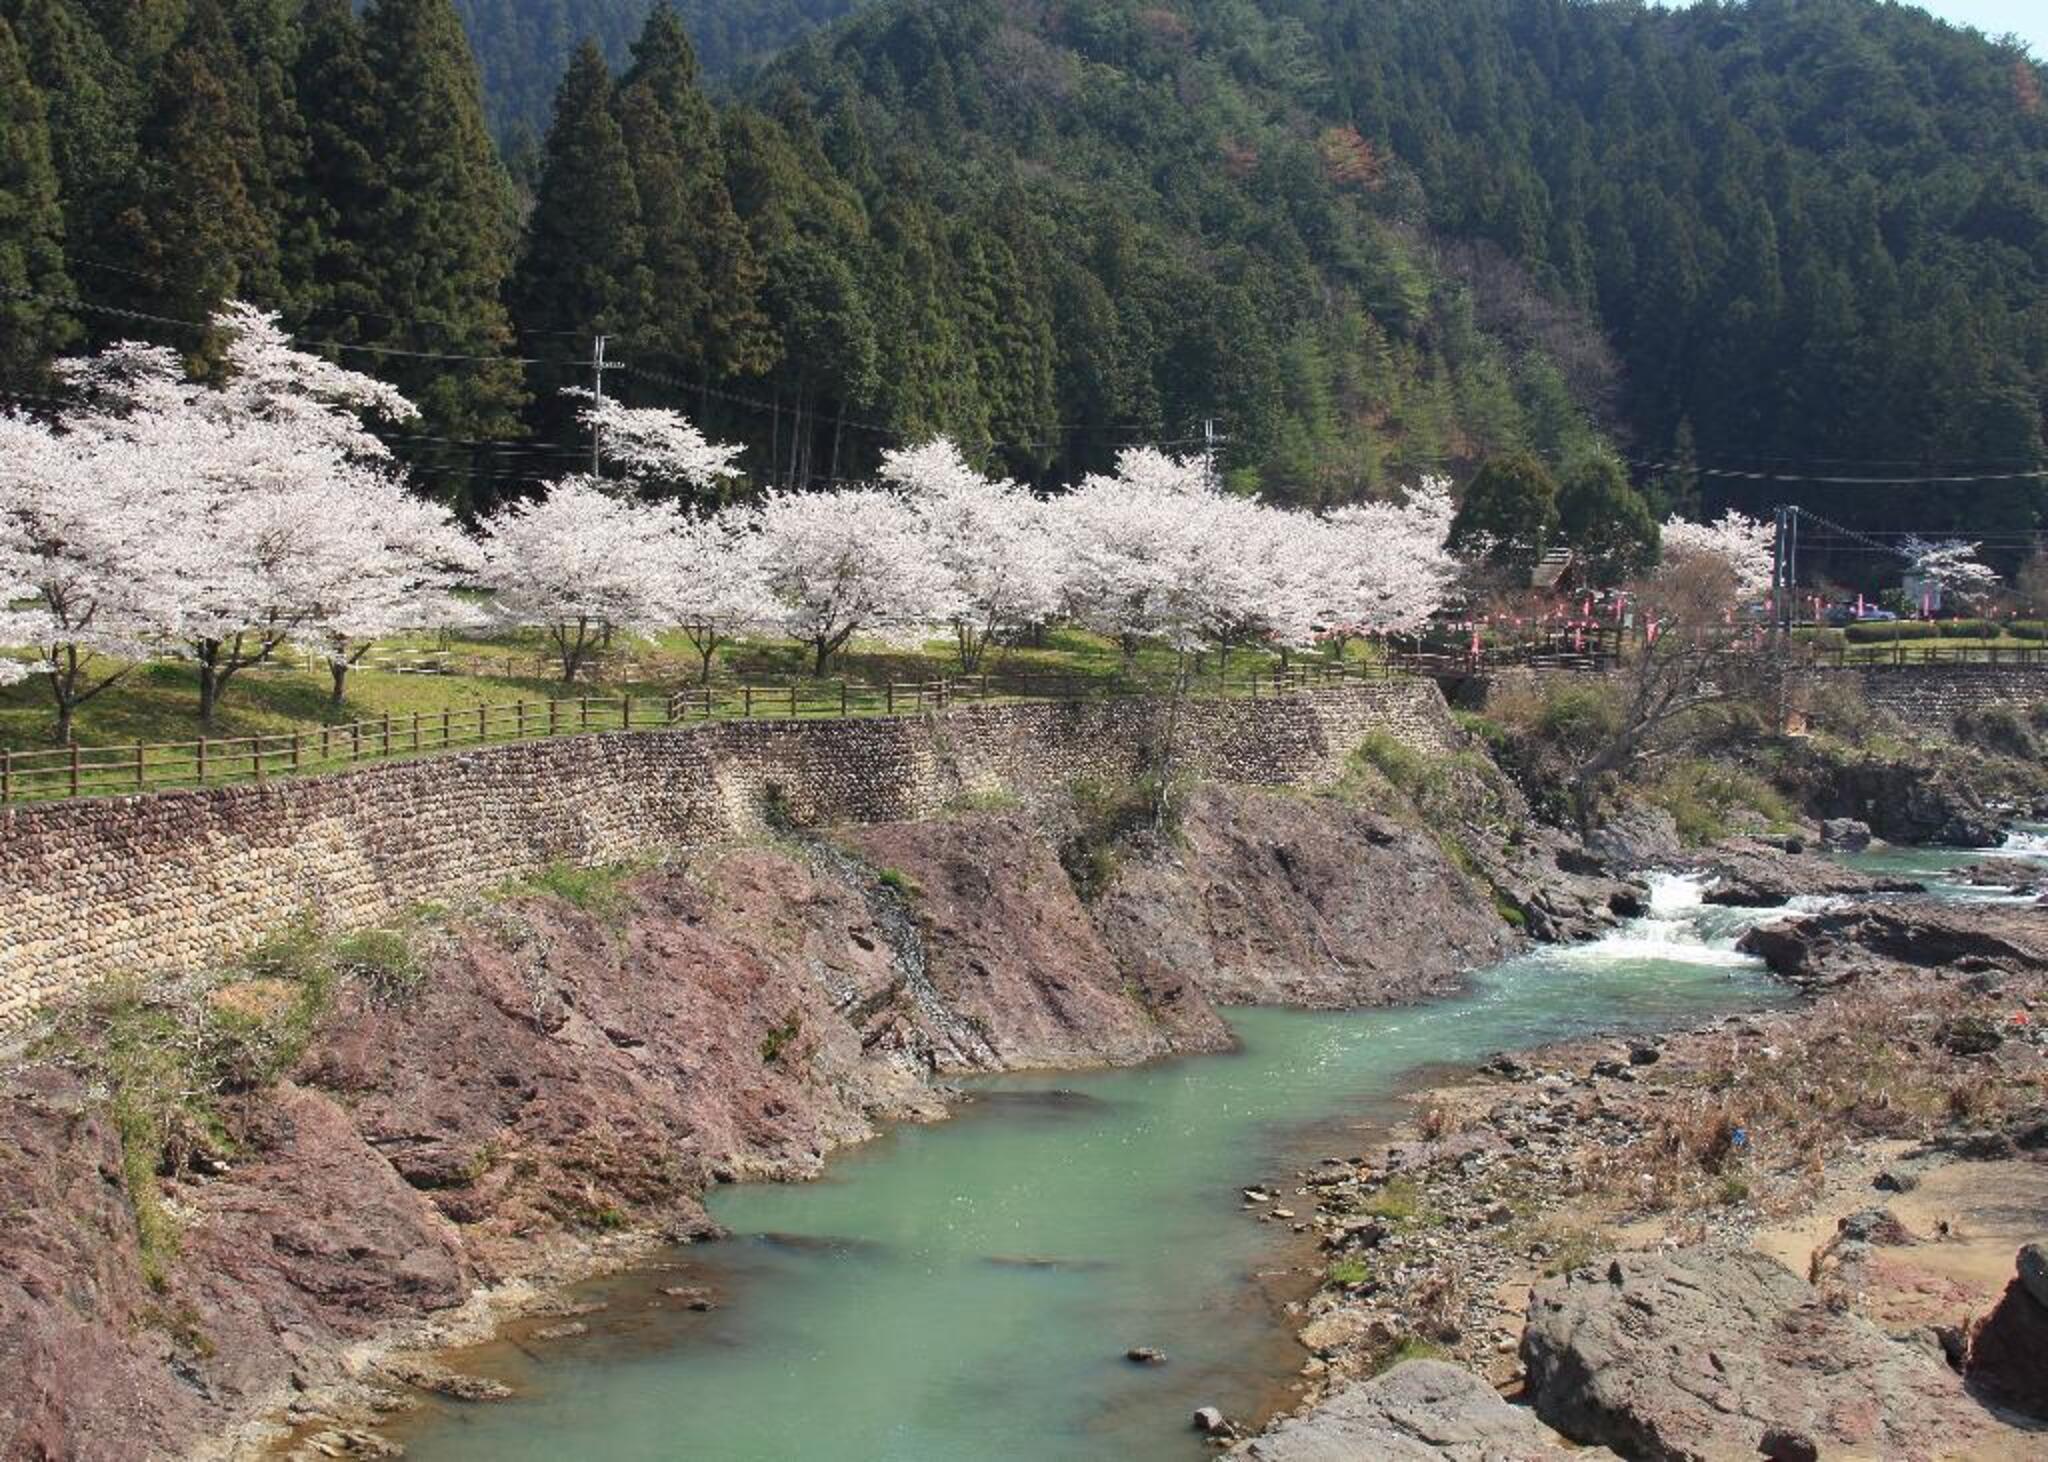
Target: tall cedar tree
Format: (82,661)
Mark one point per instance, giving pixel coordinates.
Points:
(197,229)
(438,240)
(1606,521)
(92,101)
(1509,511)
(706,311)
(31,230)
(582,267)
(344,180)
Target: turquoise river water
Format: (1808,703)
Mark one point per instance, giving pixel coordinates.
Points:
(964,1292)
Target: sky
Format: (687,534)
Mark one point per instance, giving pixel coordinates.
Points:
(2025,18)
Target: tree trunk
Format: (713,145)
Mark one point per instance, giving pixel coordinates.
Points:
(65,716)
(823,648)
(209,692)
(339,670)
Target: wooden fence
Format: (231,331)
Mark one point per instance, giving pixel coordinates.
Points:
(112,771)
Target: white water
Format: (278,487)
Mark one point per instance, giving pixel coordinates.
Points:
(1679,927)
(2026,843)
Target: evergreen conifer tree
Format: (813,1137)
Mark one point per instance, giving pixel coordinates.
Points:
(32,275)
(437,240)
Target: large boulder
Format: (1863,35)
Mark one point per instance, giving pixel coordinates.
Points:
(1756,875)
(2008,1358)
(1638,837)
(1424,1410)
(1838,945)
(1845,834)
(1700,1354)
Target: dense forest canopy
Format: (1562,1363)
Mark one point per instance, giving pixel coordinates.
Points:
(522,46)
(1366,238)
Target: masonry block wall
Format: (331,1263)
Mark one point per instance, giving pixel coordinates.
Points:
(1931,695)
(149,885)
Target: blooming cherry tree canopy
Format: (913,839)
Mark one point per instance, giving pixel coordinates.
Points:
(1952,566)
(578,563)
(991,537)
(855,561)
(655,444)
(1741,542)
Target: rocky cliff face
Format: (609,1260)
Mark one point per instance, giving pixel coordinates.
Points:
(561,1073)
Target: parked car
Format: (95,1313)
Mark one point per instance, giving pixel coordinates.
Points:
(1841,614)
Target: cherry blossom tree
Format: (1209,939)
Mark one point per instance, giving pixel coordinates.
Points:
(407,561)
(1741,542)
(246,503)
(655,445)
(1141,561)
(79,534)
(1951,567)
(578,563)
(854,561)
(1386,567)
(992,539)
(716,586)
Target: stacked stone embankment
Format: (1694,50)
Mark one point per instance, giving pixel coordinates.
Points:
(138,886)
(1933,695)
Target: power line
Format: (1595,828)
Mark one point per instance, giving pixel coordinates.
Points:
(118,312)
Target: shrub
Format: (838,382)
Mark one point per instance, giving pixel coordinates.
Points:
(1702,797)
(1578,715)
(1966,629)
(2028,629)
(1350,1273)
(599,890)
(779,1037)
(1885,634)
(897,882)
(1108,815)
(2003,729)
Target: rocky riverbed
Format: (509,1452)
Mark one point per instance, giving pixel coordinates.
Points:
(199,1250)
(1670,1246)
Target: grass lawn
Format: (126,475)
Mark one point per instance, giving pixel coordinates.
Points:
(158,703)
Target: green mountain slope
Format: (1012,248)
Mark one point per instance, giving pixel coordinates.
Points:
(522,46)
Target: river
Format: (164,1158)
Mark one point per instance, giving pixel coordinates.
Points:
(964,1292)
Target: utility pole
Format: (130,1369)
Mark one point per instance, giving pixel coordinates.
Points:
(597,370)
(1781,542)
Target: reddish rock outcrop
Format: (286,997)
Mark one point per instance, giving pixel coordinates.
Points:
(561,1072)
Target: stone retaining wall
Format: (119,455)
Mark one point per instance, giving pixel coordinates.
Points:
(1931,695)
(153,884)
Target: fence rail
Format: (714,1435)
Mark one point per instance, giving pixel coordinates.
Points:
(144,767)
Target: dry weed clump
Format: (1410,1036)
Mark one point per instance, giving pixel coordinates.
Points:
(1756,1123)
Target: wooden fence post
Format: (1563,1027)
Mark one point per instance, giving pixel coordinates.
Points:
(385,748)
(298,750)
(256,757)
(747,691)
(447,727)
(202,761)
(626,715)
(890,686)
(843,708)
(792,700)
(74,768)
(6,774)
(141,756)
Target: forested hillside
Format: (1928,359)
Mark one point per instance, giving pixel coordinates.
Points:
(1367,238)
(1816,229)
(522,46)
